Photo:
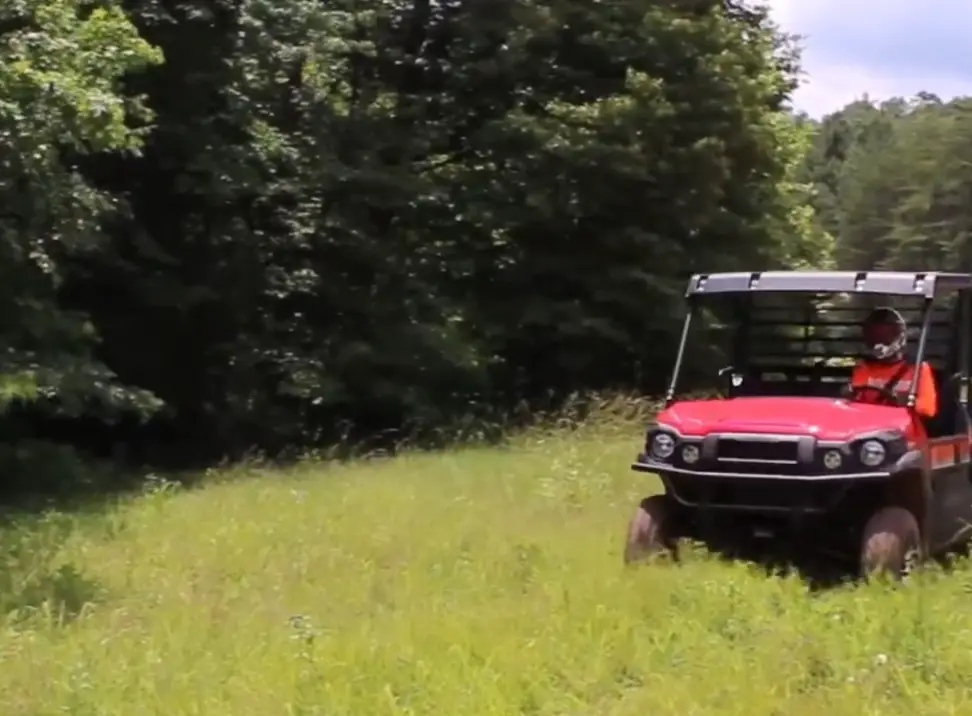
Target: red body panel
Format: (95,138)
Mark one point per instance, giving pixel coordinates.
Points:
(824,418)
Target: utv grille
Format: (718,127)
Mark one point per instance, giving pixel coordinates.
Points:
(750,451)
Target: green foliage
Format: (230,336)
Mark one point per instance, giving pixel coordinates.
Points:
(316,221)
(61,68)
(892,182)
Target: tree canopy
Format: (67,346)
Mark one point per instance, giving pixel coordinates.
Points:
(892,182)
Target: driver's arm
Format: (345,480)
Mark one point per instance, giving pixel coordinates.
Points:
(858,377)
(926,401)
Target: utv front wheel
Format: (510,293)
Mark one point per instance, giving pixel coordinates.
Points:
(891,541)
(651,530)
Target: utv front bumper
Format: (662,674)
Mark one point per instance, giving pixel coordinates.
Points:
(763,492)
(646,463)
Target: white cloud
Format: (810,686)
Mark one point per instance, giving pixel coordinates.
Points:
(881,48)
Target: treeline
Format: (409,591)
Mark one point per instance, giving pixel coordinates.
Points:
(234,225)
(893,183)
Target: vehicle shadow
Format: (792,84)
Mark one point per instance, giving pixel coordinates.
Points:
(820,573)
(825,573)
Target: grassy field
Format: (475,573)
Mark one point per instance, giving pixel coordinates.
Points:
(471,583)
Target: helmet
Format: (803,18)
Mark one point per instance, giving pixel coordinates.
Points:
(885,334)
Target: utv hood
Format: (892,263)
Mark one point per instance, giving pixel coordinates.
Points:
(823,418)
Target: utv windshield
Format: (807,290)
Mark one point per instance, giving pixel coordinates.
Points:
(801,343)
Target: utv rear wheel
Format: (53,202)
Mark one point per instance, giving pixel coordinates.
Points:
(890,543)
(651,531)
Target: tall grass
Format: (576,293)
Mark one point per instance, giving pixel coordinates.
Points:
(479,581)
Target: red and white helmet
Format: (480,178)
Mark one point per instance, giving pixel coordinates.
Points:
(885,334)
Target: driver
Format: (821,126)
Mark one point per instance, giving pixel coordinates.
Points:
(885,336)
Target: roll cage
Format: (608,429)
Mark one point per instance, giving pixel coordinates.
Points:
(798,332)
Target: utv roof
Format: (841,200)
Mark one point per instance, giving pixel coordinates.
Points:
(903,283)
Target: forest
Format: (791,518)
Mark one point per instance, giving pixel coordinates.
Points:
(274,226)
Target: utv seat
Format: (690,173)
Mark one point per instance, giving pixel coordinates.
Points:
(947,419)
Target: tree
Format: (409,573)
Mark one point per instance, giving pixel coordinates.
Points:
(60,71)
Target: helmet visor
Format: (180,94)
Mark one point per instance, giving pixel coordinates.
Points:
(883,333)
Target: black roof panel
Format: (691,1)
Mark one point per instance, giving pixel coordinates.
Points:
(903,283)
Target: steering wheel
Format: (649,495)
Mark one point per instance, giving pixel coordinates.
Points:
(732,378)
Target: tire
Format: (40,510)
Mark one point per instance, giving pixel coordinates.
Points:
(890,542)
(650,531)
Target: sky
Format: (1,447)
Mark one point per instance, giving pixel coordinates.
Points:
(881,48)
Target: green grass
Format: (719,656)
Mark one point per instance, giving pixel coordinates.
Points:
(471,583)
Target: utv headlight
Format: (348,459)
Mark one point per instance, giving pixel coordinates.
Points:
(662,446)
(873,453)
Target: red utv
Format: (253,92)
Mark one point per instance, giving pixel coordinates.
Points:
(784,459)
